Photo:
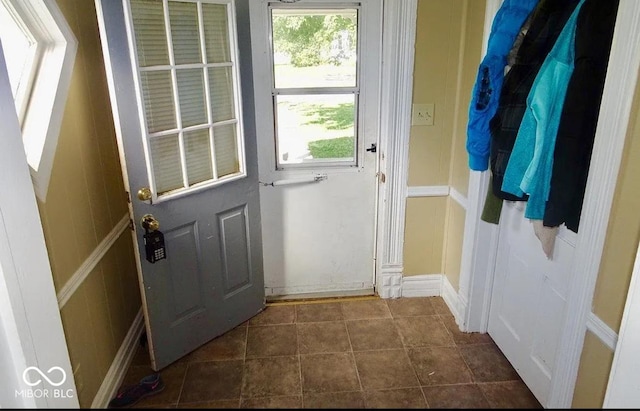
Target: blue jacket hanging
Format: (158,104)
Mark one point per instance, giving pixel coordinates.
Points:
(531,162)
(486,92)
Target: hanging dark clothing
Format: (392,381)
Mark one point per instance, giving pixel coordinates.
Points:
(548,20)
(577,128)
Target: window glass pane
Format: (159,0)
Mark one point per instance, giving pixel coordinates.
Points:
(314,48)
(167,170)
(185,34)
(316,128)
(198,153)
(226,150)
(151,38)
(18,50)
(221,92)
(192,100)
(216,33)
(158,100)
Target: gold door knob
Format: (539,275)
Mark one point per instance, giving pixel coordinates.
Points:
(149,222)
(144,194)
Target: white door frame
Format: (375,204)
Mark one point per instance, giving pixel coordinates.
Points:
(398,51)
(623,390)
(480,242)
(31,333)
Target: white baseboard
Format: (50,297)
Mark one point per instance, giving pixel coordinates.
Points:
(424,285)
(452,299)
(601,330)
(120,364)
(389,282)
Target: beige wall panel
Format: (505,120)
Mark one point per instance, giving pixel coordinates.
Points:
(85,201)
(623,232)
(454,235)
(472,54)
(435,72)
(424,235)
(78,329)
(593,374)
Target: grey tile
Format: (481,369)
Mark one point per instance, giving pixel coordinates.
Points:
(294,401)
(216,404)
(275,314)
(270,377)
(323,337)
(439,365)
(358,310)
(439,306)
(328,373)
(460,337)
(509,394)
(395,399)
(334,400)
(455,396)
(373,334)
(318,312)
(427,331)
(410,307)
(385,369)
(272,340)
(487,363)
(212,380)
(229,346)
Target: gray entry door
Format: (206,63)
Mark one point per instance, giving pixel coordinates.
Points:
(182,99)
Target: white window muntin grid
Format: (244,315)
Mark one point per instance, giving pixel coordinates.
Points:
(237,121)
(315,90)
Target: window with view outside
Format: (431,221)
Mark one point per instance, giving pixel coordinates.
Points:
(19,48)
(189,86)
(315,85)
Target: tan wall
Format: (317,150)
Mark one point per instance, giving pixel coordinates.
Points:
(424,235)
(593,374)
(85,201)
(453,242)
(438,31)
(448,51)
(616,267)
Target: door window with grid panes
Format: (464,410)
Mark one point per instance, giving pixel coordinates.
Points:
(188,86)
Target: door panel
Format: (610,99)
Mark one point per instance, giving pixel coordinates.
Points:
(318,209)
(529,298)
(212,279)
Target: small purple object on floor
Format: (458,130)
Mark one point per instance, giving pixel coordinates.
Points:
(149,385)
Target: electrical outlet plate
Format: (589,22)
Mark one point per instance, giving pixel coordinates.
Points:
(423,114)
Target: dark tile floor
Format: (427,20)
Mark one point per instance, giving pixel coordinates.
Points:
(357,353)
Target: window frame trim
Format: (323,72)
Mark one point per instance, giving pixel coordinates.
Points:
(50,79)
(238,121)
(320,164)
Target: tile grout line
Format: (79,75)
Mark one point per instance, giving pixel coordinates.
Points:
(355,363)
(184,378)
(244,364)
(295,321)
(406,352)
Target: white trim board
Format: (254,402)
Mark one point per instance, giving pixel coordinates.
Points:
(90,263)
(427,191)
(453,300)
(623,390)
(478,264)
(458,197)
(601,330)
(613,122)
(399,36)
(120,364)
(424,285)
